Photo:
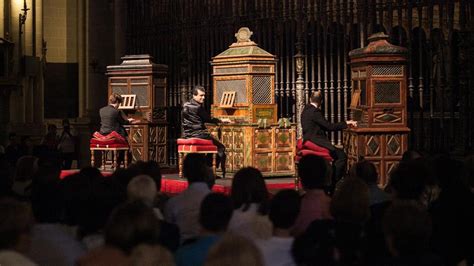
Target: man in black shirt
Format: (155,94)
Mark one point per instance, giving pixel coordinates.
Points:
(315,127)
(194,118)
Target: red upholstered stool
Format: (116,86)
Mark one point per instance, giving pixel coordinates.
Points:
(195,145)
(112,143)
(309,148)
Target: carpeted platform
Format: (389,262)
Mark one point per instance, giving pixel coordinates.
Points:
(172,184)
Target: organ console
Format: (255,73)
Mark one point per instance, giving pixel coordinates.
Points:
(142,84)
(244,94)
(379,92)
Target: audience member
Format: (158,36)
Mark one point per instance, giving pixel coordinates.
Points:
(88,200)
(16,222)
(407,229)
(232,249)
(51,244)
(250,198)
(13,150)
(350,204)
(284,209)
(51,139)
(183,209)
(469,172)
(132,224)
(410,155)
(151,255)
(366,171)
(26,167)
(350,209)
(67,145)
(452,214)
(315,175)
(214,216)
(143,188)
(26,146)
(317,245)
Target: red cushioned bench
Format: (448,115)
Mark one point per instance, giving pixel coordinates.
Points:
(195,145)
(111,143)
(309,148)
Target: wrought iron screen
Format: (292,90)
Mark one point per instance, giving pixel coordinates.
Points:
(387,92)
(387,70)
(261,90)
(142,94)
(230,70)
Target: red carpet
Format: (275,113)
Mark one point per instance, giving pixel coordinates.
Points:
(171,184)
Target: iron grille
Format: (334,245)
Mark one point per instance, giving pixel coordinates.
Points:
(387,92)
(231,70)
(263,69)
(237,85)
(142,94)
(119,89)
(118,81)
(136,81)
(387,70)
(261,90)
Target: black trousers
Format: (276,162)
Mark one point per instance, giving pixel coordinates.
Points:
(339,165)
(221,157)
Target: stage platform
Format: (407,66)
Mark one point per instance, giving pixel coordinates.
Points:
(171,183)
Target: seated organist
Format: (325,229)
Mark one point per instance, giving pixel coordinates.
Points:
(112,119)
(315,127)
(194,118)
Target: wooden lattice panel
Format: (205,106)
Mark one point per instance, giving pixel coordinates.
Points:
(372,145)
(394,145)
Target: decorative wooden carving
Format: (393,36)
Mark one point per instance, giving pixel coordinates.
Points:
(248,71)
(379,104)
(271,149)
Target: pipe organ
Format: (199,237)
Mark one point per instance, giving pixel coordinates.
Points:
(143,84)
(378,103)
(243,87)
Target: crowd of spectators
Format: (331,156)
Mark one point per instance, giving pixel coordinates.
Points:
(424,216)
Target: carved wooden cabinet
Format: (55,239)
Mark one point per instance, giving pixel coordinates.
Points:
(249,72)
(253,138)
(379,92)
(137,75)
(270,149)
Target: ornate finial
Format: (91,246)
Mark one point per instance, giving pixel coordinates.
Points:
(243,35)
(378,36)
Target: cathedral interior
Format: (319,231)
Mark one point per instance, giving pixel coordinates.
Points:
(54,58)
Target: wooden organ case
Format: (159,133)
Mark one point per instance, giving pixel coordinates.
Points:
(379,92)
(253,138)
(139,79)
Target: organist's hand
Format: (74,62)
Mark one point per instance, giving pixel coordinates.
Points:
(225,120)
(133,121)
(351,123)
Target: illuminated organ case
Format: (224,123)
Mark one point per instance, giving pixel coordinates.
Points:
(379,92)
(243,89)
(143,83)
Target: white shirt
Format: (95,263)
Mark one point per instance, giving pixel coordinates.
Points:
(52,245)
(183,209)
(13,258)
(276,251)
(250,223)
